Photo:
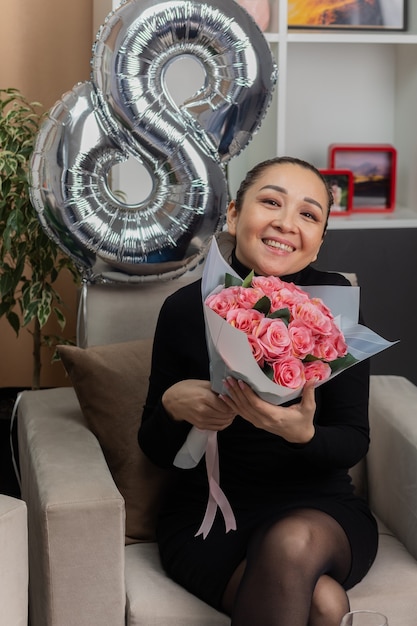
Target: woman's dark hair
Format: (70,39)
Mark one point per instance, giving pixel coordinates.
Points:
(258,170)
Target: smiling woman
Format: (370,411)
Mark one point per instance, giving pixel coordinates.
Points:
(283,469)
(285,232)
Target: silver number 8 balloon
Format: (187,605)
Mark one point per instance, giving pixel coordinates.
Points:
(125,111)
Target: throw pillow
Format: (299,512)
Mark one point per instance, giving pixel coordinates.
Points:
(111,383)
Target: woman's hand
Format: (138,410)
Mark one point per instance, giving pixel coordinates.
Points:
(193,401)
(294,423)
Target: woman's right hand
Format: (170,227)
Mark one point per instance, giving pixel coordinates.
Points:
(194,401)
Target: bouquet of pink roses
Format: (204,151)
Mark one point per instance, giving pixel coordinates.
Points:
(275,336)
(293,337)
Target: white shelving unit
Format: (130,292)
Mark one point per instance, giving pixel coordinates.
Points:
(336,87)
(343,87)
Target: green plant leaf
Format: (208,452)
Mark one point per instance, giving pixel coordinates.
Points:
(44,309)
(30,312)
(343,362)
(14,321)
(4,307)
(263,305)
(60,318)
(284,314)
(34,290)
(232,281)
(268,371)
(7,305)
(5,282)
(9,280)
(310,358)
(248,280)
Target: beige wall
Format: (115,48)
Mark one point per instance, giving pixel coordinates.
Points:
(45,49)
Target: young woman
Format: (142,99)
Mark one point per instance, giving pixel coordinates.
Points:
(302,535)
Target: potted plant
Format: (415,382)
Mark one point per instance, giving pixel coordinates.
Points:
(30,262)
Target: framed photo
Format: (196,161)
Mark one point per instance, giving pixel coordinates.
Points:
(374,174)
(341,185)
(348,14)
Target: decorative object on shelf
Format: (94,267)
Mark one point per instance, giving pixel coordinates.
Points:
(374,174)
(341,185)
(259,10)
(348,14)
(125,111)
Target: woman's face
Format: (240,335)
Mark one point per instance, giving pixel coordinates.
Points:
(280,226)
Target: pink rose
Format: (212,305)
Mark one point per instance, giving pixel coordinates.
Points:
(274,338)
(325,349)
(267,284)
(302,339)
(257,351)
(323,307)
(289,372)
(248,297)
(339,342)
(288,297)
(223,302)
(332,346)
(313,317)
(246,320)
(317,370)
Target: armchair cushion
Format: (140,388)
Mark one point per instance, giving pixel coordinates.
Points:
(111,384)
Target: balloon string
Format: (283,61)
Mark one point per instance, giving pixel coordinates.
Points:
(217,497)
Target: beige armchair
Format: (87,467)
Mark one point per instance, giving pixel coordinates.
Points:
(13,562)
(89,566)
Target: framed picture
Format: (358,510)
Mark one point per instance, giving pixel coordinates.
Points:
(348,14)
(374,174)
(341,185)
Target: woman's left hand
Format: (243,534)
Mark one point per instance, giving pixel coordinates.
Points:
(294,423)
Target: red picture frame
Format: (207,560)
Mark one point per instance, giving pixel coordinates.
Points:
(374,168)
(341,185)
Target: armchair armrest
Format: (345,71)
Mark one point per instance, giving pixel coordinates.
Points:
(75,515)
(392,458)
(14,561)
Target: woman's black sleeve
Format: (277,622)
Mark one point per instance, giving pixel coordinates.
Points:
(179,353)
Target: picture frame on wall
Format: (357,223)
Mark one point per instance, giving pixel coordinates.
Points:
(348,14)
(374,174)
(341,185)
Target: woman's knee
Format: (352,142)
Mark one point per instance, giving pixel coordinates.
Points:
(289,539)
(329,603)
(308,539)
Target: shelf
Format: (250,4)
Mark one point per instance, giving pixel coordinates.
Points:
(349,37)
(398,38)
(272,37)
(400,218)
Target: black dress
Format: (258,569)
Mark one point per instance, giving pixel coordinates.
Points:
(262,475)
